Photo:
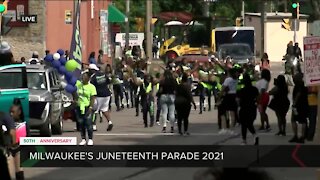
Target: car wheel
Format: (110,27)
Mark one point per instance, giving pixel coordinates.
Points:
(58,127)
(46,129)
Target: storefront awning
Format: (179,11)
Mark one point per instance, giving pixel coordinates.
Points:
(115,15)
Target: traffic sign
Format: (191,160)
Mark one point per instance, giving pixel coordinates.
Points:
(311,46)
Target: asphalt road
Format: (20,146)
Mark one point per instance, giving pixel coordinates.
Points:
(129,130)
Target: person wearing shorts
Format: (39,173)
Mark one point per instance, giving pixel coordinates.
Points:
(263,86)
(101,82)
(229,104)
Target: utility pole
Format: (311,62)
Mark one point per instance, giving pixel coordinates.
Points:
(127,23)
(148,33)
(262,21)
(243,12)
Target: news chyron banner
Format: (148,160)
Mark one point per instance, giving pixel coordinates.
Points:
(76,44)
(170,156)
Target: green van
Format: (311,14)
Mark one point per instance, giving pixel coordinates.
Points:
(14,86)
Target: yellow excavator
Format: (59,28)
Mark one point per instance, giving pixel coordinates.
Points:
(191,38)
(203,34)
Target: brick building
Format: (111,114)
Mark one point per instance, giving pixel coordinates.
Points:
(54,28)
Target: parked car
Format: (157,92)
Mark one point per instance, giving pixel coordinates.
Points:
(45,99)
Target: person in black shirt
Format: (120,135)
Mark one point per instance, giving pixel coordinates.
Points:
(297,51)
(167,97)
(248,108)
(8,122)
(147,100)
(300,108)
(183,103)
(101,82)
(118,87)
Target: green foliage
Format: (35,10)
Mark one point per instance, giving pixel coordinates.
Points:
(230,9)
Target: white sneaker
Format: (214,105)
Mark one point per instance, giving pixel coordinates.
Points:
(232,133)
(83,142)
(94,127)
(222,132)
(158,123)
(90,142)
(244,143)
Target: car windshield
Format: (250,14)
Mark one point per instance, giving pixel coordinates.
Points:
(37,80)
(235,50)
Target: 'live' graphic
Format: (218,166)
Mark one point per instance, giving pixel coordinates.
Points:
(29,18)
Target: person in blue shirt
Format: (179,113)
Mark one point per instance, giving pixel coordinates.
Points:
(92,59)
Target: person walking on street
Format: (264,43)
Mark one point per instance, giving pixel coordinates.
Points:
(147,100)
(183,103)
(118,87)
(248,97)
(101,82)
(229,104)
(157,86)
(280,103)
(168,85)
(263,86)
(85,98)
(300,108)
(313,112)
(108,72)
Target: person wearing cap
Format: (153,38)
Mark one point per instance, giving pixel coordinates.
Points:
(101,82)
(6,55)
(35,58)
(85,99)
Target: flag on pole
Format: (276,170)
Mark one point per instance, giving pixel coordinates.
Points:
(76,44)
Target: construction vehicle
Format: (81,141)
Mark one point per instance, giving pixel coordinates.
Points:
(194,38)
(199,37)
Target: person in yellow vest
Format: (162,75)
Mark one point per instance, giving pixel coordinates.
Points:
(203,77)
(313,112)
(147,100)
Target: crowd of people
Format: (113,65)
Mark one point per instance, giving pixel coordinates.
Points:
(239,92)
(168,96)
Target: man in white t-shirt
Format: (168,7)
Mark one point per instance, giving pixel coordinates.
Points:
(262,85)
(229,103)
(231,84)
